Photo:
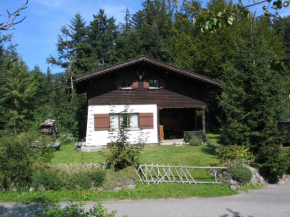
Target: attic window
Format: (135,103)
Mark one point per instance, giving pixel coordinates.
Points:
(127,84)
(154,84)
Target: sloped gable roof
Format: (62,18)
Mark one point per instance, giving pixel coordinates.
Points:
(145,59)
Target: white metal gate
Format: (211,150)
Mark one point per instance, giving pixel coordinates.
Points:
(174,174)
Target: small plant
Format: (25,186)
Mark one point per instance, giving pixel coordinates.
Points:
(122,154)
(188,136)
(195,141)
(240,173)
(233,153)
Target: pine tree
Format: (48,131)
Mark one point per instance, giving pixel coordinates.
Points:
(255,97)
(102,37)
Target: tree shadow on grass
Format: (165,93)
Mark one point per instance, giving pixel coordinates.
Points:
(208,149)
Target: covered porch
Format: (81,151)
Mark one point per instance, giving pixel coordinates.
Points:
(174,122)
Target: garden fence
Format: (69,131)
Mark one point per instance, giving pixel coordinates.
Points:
(176,174)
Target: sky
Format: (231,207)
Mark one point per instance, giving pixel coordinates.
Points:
(37,35)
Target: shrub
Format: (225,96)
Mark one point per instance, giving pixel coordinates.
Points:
(191,139)
(98,177)
(49,179)
(233,152)
(202,136)
(18,161)
(240,173)
(272,162)
(187,136)
(195,141)
(56,179)
(122,154)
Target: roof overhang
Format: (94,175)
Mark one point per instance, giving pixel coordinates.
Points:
(145,59)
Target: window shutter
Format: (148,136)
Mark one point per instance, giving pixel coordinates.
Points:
(102,121)
(134,84)
(146,84)
(146,120)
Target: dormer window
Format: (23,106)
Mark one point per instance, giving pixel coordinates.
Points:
(127,84)
(154,84)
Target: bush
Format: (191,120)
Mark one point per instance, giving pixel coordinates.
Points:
(98,178)
(191,139)
(202,136)
(18,161)
(233,153)
(240,173)
(49,179)
(122,154)
(56,179)
(272,162)
(195,141)
(187,136)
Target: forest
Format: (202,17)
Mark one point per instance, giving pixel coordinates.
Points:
(249,56)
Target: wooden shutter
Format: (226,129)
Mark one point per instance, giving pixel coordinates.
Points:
(146,120)
(146,84)
(102,121)
(134,84)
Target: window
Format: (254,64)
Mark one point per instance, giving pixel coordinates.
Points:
(153,84)
(126,84)
(117,119)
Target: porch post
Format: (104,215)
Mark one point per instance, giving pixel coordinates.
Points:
(203,120)
(195,121)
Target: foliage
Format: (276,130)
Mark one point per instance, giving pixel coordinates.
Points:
(48,179)
(142,191)
(69,178)
(191,139)
(195,141)
(18,161)
(240,173)
(71,210)
(233,153)
(65,138)
(272,162)
(122,154)
(187,136)
(202,135)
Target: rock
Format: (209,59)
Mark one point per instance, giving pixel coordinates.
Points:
(118,189)
(233,187)
(232,182)
(129,187)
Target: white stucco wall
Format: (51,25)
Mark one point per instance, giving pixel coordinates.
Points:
(100,138)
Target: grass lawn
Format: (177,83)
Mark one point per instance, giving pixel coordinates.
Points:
(142,191)
(157,154)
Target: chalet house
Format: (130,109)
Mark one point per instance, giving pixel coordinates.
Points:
(164,101)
